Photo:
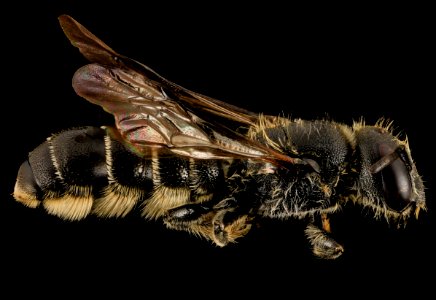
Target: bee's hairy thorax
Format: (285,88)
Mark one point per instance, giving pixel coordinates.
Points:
(307,188)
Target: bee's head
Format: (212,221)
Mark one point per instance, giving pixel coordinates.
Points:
(388,181)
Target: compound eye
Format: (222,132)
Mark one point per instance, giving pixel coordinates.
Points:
(396,180)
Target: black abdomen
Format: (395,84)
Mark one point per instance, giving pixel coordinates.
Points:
(82,171)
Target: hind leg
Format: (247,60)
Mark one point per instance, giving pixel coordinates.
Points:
(222,223)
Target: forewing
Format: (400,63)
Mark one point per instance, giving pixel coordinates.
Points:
(150,110)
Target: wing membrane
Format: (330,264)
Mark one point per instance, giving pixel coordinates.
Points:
(97,51)
(150,110)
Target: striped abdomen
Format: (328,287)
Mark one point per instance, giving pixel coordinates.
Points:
(84,171)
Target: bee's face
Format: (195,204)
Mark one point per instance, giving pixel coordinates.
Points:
(388,180)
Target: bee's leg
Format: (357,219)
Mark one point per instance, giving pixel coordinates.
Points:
(230,222)
(188,216)
(223,223)
(323,246)
(325,223)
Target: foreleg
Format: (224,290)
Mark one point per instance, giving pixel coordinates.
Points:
(323,246)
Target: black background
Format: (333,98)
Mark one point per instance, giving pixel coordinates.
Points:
(313,62)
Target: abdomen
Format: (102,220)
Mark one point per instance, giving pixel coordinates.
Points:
(85,171)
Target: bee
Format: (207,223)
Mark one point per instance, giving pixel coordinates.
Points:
(208,167)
